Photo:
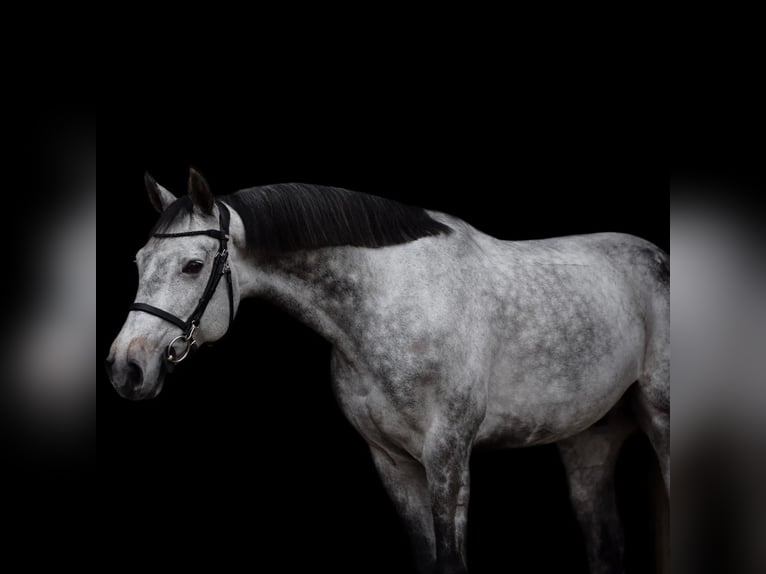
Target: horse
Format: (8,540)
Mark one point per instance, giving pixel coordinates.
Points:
(443,338)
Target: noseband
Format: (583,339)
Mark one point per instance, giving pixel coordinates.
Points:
(220,268)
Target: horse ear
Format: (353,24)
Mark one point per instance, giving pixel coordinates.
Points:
(158,195)
(200,192)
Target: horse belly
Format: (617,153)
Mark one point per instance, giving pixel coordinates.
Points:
(547,388)
(526,420)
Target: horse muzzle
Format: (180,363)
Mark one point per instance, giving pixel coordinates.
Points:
(133,378)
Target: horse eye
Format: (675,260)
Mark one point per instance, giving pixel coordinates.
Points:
(193,267)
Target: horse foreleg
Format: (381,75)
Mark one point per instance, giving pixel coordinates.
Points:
(405,481)
(590,459)
(446,458)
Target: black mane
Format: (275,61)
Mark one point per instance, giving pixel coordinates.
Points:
(296,216)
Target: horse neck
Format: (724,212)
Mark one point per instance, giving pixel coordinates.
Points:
(323,288)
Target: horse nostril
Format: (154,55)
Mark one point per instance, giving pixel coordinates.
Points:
(135,375)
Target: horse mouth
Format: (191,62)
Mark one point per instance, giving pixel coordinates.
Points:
(144,393)
(157,387)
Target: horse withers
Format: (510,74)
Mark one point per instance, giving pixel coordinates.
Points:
(443,338)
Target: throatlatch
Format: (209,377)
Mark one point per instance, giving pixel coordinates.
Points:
(220,268)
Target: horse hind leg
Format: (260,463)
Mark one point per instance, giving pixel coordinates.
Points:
(590,459)
(651,405)
(650,402)
(651,396)
(652,411)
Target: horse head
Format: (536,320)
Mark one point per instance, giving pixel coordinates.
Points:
(182,300)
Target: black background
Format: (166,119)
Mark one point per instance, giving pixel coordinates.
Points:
(245,458)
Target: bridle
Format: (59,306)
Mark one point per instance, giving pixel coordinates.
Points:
(220,268)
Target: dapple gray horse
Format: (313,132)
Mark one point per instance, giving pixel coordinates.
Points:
(444,339)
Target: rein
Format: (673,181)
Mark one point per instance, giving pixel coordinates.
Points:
(220,268)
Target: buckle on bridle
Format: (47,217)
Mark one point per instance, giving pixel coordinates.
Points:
(189,341)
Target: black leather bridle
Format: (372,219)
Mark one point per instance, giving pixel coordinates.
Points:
(220,268)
